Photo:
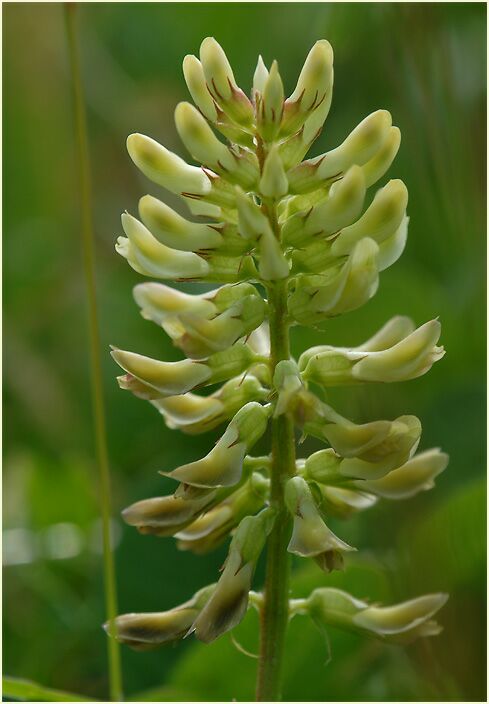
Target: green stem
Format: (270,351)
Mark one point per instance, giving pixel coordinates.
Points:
(274,615)
(100,433)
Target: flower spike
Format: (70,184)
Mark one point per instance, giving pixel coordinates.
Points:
(285,239)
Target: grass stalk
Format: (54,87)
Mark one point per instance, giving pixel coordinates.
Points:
(98,408)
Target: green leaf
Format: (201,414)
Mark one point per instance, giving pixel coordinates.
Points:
(25,690)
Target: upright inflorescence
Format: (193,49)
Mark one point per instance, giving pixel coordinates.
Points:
(298,229)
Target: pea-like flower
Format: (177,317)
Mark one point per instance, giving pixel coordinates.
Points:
(311,537)
(338,209)
(363,144)
(222,85)
(152,258)
(371,450)
(229,601)
(340,289)
(172,378)
(314,87)
(166,515)
(238,165)
(417,474)
(401,623)
(379,222)
(202,325)
(165,168)
(147,631)
(409,358)
(269,99)
(224,463)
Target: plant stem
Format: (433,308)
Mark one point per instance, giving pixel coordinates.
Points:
(274,615)
(100,433)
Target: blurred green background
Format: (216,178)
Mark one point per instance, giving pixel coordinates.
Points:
(423,62)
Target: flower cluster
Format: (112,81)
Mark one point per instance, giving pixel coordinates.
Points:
(268,217)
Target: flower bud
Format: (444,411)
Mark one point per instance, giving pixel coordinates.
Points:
(168,378)
(273,264)
(201,336)
(163,304)
(311,537)
(410,358)
(358,148)
(273,182)
(165,515)
(229,602)
(417,474)
(222,85)
(259,77)
(195,323)
(195,80)
(339,209)
(209,530)
(269,114)
(224,463)
(173,378)
(294,149)
(149,257)
(402,623)
(373,449)
(165,168)
(252,223)
(360,145)
(150,630)
(379,222)
(314,86)
(201,141)
(340,291)
(172,230)
(203,145)
(194,414)
(376,167)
